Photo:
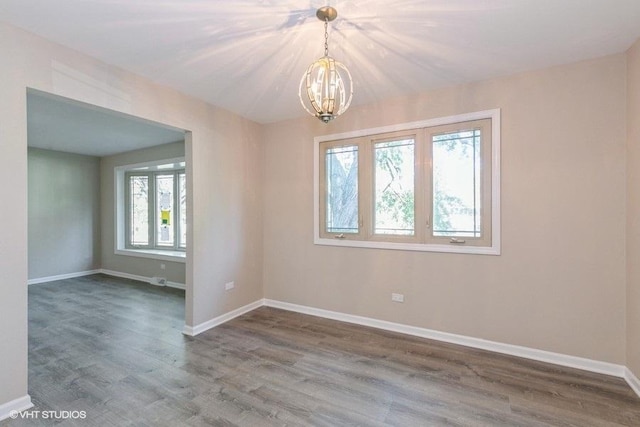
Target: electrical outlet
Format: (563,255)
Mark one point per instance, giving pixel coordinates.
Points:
(397,297)
(229,285)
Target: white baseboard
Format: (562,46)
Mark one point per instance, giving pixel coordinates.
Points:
(103,271)
(139,278)
(123,275)
(20,404)
(61,277)
(632,380)
(198,329)
(176,285)
(513,350)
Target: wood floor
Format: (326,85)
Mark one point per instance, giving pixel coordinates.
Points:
(114,348)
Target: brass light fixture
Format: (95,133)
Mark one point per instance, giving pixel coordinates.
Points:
(326,87)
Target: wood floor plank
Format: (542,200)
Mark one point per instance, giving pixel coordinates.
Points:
(114,348)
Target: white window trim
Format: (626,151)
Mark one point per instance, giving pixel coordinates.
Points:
(120,217)
(495,247)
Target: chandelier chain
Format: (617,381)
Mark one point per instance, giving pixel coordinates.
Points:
(326,37)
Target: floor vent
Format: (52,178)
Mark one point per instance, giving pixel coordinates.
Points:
(158,281)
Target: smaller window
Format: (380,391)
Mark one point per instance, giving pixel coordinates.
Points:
(139,210)
(456,184)
(182,200)
(165,210)
(340,179)
(394,181)
(461,184)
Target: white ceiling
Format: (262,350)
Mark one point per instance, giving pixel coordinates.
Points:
(248,55)
(60,124)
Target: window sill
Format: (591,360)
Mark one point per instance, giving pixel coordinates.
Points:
(175,256)
(478,250)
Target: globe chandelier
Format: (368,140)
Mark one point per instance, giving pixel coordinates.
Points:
(326,88)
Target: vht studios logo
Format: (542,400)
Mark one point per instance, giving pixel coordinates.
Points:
(49,415)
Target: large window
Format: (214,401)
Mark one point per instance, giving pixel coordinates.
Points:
(155,204)
(151,210)
(431,185)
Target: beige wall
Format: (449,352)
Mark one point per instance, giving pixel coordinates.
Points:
(174,271)
(559,284)
(64,213)
(223,155)
(633,209)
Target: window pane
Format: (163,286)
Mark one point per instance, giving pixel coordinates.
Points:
(182,194)
(456,184)
(394,188)
(139,210)
(164,210)
(342,189)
